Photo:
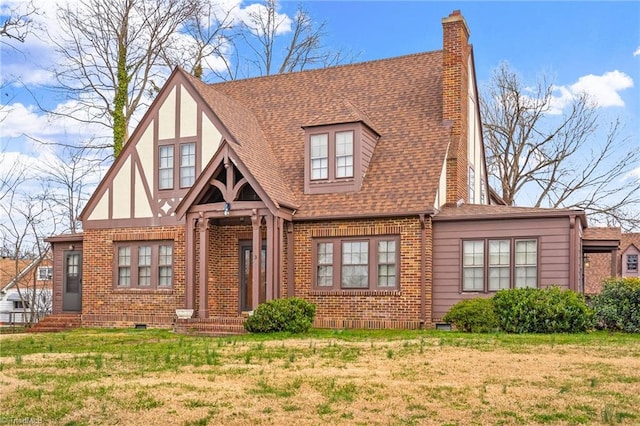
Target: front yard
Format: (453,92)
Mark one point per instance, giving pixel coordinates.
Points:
(153,377)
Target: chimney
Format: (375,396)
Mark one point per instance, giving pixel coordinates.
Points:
(455,103)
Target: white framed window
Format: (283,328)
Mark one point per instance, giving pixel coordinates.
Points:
(473,265)
(499,262)
(187,164)
(45,273)
(355,264)
(526,261)
(490,265)
(165,168)
(344,154)
(320,156)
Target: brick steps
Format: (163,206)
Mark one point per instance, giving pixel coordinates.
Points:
(216,326)
(57,322)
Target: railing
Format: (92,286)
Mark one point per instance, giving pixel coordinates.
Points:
(21,318)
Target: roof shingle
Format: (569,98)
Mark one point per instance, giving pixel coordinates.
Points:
(400,98)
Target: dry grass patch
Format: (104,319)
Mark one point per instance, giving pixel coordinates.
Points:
(155,377)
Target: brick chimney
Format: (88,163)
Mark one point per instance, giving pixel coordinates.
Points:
(455,103)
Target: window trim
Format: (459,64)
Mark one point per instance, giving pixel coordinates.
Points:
(177,144)
(134,267)
(372,263)
(334,184)
(486,266)
(48,277)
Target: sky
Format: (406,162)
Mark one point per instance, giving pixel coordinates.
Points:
(583,46)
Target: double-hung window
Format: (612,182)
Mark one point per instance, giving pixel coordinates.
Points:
(176,163)
(499,260)
(369,263)
(526,263)
(473,266)
(632,263)
(495,264)
(187,164)
(145,265)
(320,156)
(331,155)
(165,169)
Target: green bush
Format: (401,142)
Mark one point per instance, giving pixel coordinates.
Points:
(546,310)
(473,316)
(294,315)
(617,307)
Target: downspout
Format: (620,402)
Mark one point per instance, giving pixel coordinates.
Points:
(572,253)
(423,271)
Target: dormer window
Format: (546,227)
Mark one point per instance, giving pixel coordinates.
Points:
(319,156)
(344,154)
(337,157)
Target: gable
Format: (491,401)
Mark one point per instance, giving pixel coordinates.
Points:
(226,185)
(131,194)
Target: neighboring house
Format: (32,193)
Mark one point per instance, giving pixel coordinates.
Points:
(621,261)
(361,188)
(27,292)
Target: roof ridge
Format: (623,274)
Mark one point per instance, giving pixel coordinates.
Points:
(333,67)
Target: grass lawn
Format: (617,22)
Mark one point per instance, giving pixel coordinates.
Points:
(154,377)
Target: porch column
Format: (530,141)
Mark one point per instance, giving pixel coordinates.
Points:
(190,261)
(257,251)
(203,311)
(270,252)
(614,263)
(290,261)
(280,256)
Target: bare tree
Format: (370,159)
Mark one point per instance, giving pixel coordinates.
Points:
(270,53)
(204,41)
(112,56)
(70,174)
(17,24)
(28,220)
(558,160)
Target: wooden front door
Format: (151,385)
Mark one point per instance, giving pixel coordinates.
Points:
(72,282)
(246,275)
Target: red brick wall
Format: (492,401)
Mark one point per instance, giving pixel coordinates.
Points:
(362,309)
(455,104)
(103,305)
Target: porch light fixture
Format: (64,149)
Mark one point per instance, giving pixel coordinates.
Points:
(587,261)
(227,208)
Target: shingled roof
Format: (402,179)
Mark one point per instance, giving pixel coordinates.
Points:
(479,211)
(399,98)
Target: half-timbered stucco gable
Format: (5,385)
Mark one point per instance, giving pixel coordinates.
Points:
(171,145)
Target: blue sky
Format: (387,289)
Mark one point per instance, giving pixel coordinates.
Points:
(593,46)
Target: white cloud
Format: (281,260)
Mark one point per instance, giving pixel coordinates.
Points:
(637,52)
(602,89)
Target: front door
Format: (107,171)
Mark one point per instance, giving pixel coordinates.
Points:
(246,275)
(72,282)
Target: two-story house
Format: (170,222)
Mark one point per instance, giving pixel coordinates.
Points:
(361,188)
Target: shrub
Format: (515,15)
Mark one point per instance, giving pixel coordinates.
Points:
(473,316)
(617,307)
(547,310)
(294,315)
